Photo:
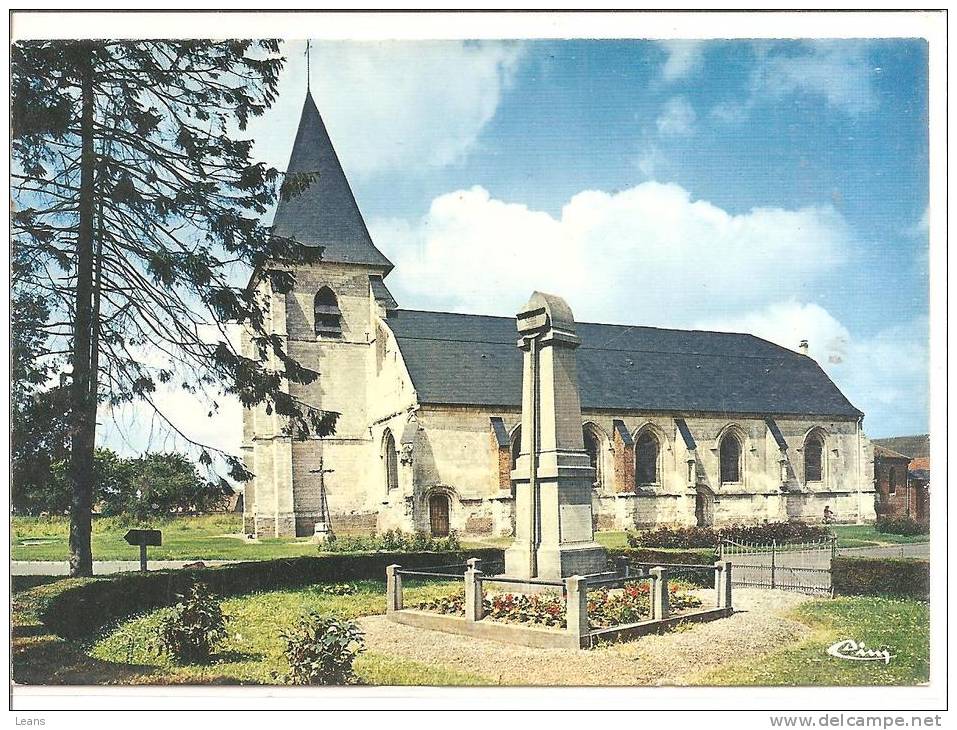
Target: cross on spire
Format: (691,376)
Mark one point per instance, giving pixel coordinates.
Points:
(308,68)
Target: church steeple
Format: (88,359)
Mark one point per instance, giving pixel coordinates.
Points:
(325,213)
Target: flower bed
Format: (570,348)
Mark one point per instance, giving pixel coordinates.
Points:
(606,607)
(542,609)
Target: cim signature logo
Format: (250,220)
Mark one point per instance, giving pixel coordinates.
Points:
(856,651)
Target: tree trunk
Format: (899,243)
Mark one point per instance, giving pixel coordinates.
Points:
(83,401)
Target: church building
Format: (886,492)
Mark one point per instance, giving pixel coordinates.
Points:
(683,427)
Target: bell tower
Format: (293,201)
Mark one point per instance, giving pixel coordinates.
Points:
(328,324)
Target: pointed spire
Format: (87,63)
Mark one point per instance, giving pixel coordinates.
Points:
(325,213)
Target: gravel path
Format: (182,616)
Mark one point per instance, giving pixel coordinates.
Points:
(667,659)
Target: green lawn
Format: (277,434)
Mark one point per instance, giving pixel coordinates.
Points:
(207,537)
(902,625)
(611,540)
(252,654)
(868,536)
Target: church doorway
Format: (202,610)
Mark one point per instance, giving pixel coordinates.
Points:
(704,509)
(439,515)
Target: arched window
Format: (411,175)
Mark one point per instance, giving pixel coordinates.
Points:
(730,453)
(646,459)
(593,449)
(516,445)
(391,458)
(891,481)
(328,318)
(814,458)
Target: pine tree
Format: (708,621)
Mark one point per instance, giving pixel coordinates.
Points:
(136,196)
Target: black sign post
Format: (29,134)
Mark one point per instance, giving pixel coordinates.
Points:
(143,538)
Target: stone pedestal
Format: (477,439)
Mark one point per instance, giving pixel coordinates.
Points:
(553,477)
(322,533)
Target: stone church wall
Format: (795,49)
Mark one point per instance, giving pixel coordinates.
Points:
(452,451)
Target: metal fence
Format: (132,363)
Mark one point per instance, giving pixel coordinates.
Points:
(802,567)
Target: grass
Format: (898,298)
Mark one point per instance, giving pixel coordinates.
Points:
(612,540)
(868,536)
(902,625)
(252,653)
(204,537)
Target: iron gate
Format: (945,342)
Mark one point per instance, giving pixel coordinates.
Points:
(803,567)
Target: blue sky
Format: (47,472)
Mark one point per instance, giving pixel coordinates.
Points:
(777,187)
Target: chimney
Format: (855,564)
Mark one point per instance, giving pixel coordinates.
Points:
(802,348)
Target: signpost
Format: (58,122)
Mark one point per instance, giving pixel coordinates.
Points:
(143,538)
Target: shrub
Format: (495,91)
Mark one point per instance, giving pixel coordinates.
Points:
(701,537)
(92,603)
(337,589)
(321,650)
(453,605)
(906,577)
(392,541)
(901,526)
(191,630)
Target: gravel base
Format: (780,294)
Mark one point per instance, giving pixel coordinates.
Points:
(674,658)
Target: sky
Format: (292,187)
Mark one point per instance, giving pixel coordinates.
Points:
(772,187)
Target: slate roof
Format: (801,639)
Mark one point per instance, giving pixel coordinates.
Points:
(324,214)
(912,446)
(885,453)
(381,293)
(473,359)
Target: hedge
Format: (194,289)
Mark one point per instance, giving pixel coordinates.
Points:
(905,577)
(700,537)
(664,556)
(85,609)
(690,556)
(902,526)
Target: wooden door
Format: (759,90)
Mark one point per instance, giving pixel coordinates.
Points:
(439,515)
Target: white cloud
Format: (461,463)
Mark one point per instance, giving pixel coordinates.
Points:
(390,105)
(838,71)
(920,229)
(424,104)
(684,58)
(885,375)
(676,118)
(787,323)
(649,253)
(653,255)
(650,161)
(133,428)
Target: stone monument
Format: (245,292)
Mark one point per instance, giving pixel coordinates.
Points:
(553,476)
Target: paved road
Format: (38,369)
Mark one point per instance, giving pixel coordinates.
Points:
(904,550)
(811,559)
(100,567)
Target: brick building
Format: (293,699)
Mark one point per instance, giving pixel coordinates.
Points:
(902,477)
